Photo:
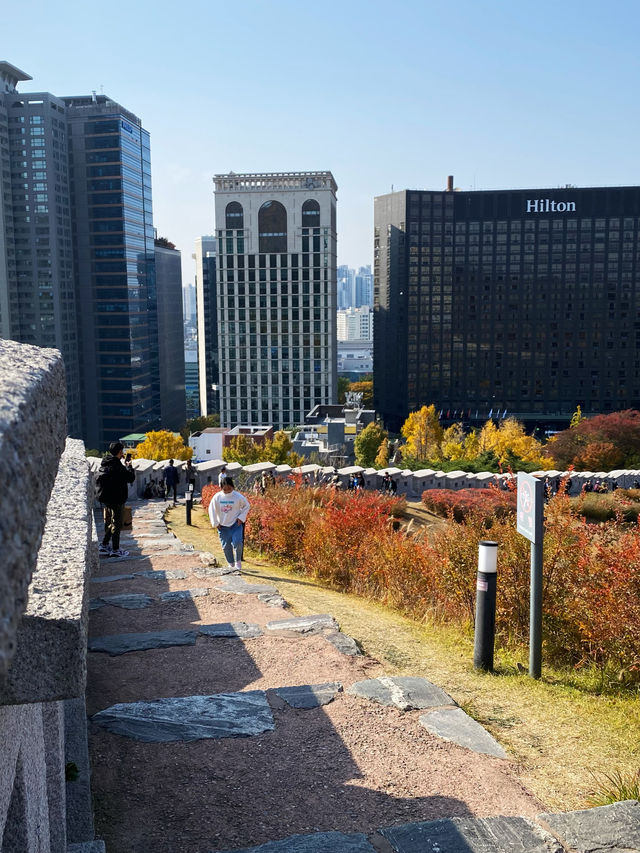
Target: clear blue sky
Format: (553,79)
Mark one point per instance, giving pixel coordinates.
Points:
(499,94)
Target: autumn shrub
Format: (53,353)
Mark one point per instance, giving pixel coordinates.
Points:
(464,502)
(206,494)
(623,503)
(591,579)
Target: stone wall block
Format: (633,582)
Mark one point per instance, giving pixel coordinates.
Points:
(50,658)
(33,427)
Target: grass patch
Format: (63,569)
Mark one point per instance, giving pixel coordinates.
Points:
(564,731)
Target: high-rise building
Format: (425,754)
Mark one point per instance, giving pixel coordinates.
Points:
(346,296)
(276,295)
(189,304)
(207,310)
(191,380)
(524,302)
(170,338)
(363,288)
(355,324)
(37,289)
(110,175)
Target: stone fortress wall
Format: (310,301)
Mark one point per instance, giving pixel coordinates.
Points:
(48,545)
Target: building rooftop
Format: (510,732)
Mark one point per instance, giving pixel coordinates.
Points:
(253,181)
(12,75)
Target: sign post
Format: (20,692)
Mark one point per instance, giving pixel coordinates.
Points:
(530,523)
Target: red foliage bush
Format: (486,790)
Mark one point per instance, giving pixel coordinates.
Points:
(207,493)
(464,502)
(591,595)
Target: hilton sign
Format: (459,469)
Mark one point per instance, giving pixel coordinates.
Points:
(549,205)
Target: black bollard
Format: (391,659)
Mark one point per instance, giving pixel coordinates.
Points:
(485,605)
(188,501)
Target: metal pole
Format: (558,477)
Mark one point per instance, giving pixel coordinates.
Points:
(189,499)
(486,583)
(535,612)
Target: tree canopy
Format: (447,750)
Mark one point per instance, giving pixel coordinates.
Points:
(601,443)
(162,444)
(197,424)
(367,444)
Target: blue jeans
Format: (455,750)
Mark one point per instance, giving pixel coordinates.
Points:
(232,540)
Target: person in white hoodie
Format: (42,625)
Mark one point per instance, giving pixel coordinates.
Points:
(228,512)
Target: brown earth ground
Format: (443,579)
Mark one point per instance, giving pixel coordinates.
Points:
(351,765)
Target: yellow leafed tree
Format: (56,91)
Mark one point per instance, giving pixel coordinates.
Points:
(510,437)
(162,444)
(453,442)
(423,434)
(382,459)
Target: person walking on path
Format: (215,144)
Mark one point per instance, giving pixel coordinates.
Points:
(112,490)
(171,476)
(228,512)
(222,476)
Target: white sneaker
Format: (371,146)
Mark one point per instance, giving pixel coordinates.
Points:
(238,567)
(231,567)
(104,549)
(120,552)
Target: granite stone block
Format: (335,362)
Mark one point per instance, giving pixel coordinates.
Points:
(303,624)
(190,718)
(183,594)
(241,630)
(454,725)
(309,695)
(33,426)
(120,644)
(606,829)
(318,842)
(403,692)
(50,658)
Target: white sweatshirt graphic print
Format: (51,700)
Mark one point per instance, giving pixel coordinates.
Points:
(225,510)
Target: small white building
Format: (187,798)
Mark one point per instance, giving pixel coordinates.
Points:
(207,444)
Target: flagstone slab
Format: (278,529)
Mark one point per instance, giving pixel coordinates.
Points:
(213,571)
(471,835)
(128,600)
(309,695)
(237,584)
(454,725)
(163,574)
(241,630)
(343,643)
(184,594)
(318,842)
(120,644)
(272,599)
(96,604)
(109,578)
(303,624)
(614,828)
(403,692)
(190,718)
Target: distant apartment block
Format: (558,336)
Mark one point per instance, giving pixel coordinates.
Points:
(276,295)
(355,324)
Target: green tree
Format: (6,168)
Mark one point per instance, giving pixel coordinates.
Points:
(162,444)
(242,450)
(92,452)
(343,387)
(197,424)
(367,444)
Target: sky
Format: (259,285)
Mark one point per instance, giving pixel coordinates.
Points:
(382,94)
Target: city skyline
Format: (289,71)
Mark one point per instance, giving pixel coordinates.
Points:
(496,94)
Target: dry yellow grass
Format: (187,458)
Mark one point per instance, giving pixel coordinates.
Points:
(559,730)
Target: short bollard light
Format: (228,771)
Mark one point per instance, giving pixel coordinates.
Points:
(485,605)
(189,502)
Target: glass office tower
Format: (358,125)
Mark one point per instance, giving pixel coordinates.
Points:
(518,302)
(110,173)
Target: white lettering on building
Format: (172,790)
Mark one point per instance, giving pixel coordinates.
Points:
(549,205)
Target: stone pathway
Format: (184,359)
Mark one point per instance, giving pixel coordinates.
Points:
(163,741)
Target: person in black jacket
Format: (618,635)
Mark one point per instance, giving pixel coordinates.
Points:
(112,489)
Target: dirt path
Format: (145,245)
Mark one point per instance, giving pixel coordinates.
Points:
(350,765)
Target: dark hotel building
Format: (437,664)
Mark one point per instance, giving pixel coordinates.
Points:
(524,302)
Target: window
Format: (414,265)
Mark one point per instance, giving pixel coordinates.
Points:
(272,227)
(310,214)
(234,216)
